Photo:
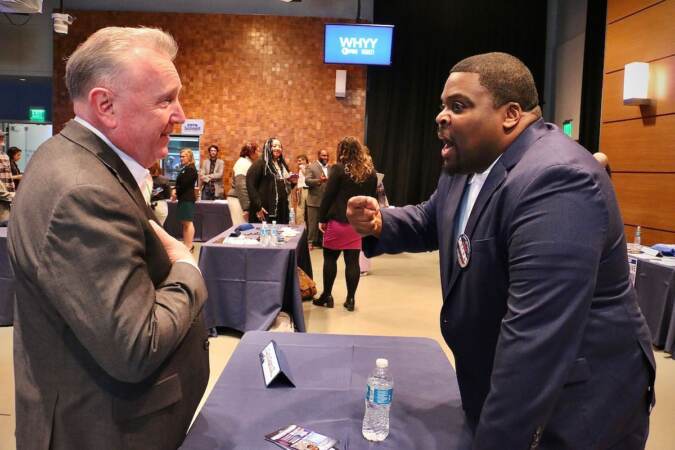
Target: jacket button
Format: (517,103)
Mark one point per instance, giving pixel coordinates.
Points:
(206,344)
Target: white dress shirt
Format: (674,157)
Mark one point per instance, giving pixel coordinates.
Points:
(476,182)
(140,173)
(301,177)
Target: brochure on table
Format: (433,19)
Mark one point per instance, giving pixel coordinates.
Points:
(294,437)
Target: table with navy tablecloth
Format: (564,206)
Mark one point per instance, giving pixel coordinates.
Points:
(655,287)
(211,218)
(330,373)
(249,285)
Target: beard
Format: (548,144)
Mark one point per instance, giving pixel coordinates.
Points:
(464,162)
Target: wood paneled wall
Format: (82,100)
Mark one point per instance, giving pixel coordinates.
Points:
(640,140)
(248,77)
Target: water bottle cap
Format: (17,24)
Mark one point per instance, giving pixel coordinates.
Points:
(382,363)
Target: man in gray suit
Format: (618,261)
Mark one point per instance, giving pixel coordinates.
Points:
(316,175)
(211,175)
(109,347)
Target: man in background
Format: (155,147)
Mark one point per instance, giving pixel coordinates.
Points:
(5,166)
(110,351)
(211,175)
(550,346)
(603,160)
(316,176)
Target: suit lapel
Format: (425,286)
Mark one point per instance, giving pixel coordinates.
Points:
(92,143)
(494,180)
(454,197)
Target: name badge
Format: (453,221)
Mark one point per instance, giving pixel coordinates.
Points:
(463,250)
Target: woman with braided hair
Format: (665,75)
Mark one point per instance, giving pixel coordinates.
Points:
(268,182)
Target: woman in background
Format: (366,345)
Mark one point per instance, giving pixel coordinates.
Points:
(237,198)
(161,192)
(352,175)
(269,185)
(211,175)
(14,154)
(185,193)
(301,190)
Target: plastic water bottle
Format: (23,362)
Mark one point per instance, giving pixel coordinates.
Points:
(378,401)
(274,235)
(291,217)
(264,235)
(637,239)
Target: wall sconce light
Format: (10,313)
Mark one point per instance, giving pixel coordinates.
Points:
(636,84)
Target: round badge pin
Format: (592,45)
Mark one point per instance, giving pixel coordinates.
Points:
(463,250)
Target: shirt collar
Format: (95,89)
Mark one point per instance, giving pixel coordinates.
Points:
(481,177)
(139,172)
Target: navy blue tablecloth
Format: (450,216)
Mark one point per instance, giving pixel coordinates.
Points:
(6,282)
(655,286)
(211,218)
(249,285)
(330,374)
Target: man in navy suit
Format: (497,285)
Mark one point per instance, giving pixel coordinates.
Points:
(550,346)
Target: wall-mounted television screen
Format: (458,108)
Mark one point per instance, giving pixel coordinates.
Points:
(357,44)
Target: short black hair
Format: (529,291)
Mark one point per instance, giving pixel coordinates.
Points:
(13,151)
(505,76)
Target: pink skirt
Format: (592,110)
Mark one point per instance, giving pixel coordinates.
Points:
(341,236)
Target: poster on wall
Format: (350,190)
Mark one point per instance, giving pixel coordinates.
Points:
(192,127)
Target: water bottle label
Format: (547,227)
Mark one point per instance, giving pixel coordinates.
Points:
(379,396)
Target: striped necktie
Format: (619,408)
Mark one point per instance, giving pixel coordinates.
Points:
(146,189)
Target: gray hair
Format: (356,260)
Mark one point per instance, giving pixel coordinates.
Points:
(100,59)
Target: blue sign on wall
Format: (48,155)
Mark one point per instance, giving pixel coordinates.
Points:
(358,44)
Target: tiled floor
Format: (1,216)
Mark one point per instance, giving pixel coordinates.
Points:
(400,297)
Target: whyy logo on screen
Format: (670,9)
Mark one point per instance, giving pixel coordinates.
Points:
(354,46)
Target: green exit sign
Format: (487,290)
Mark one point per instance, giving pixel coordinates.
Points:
(37,114)
(567,127)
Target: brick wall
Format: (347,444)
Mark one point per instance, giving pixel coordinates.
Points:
(248,77)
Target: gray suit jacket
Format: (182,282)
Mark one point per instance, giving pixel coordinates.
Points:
(110,351)
(550,346)
(313,173)
(216,176)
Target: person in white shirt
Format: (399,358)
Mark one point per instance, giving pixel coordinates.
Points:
(301,190)
(237,198)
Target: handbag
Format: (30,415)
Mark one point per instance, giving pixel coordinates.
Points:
(307,285)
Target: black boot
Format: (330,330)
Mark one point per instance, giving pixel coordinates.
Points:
(349,304)
(324,300)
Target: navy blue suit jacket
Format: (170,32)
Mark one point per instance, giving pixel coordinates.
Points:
(551,348)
